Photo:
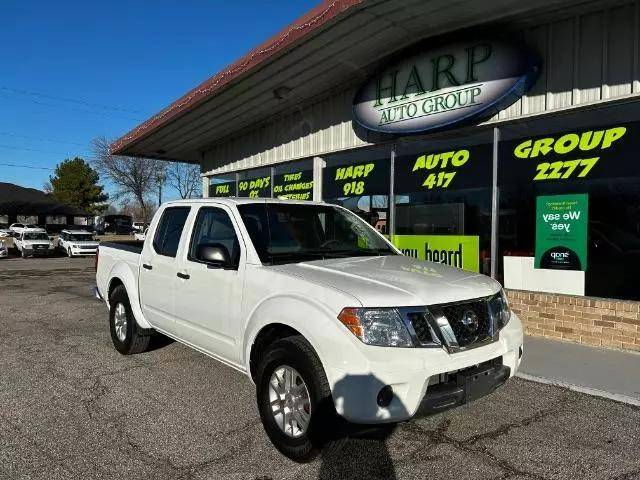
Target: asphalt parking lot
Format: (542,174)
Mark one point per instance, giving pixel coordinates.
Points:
(72,407)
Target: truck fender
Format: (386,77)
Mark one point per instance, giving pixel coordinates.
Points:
(315,322)
(122,272)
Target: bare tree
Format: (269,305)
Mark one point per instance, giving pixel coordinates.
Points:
(185,178)
(133,177)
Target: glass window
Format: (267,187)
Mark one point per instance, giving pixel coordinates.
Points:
(223,186)
(255,183)
(167,237)
(588,162)
(32,219)
(443,200)
(297,232)
(213,227)
(293,181)
(359,181)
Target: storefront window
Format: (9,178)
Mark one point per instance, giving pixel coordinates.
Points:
(30,219)
(359,181)
(443,200)
(255,183)
(223,185)
(293,181)
(569,196)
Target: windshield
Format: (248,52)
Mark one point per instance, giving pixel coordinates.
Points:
(80,237)
(294,232)
(36,236)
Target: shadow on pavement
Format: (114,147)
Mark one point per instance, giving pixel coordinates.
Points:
(360,451)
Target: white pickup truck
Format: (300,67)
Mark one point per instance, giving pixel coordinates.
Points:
(333,325)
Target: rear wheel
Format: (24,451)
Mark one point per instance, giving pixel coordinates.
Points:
(294,401)
(122,324)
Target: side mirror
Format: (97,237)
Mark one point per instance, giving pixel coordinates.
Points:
(214,254)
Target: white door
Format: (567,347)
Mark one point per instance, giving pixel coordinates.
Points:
(209,297)
(158,268)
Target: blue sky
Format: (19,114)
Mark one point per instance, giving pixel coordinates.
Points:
(74,70)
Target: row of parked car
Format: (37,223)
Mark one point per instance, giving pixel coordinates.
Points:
(31,241)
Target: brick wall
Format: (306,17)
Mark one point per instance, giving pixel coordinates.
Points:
(592,321)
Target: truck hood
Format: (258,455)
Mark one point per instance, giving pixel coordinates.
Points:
(394,281)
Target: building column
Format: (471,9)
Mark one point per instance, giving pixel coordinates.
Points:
(205,187)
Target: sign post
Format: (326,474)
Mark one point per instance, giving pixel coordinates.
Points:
(561,232)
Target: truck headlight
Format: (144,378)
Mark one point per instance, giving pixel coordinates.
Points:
(376,326)
(500,311)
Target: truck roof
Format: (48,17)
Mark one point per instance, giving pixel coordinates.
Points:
(241,201)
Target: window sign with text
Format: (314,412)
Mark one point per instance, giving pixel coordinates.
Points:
(222,189)
(461,251)
(366,177)
(255,187)
(603,152)
(296,185)
(561,232)
(450,169)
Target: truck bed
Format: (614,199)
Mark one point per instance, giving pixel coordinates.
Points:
(133,246)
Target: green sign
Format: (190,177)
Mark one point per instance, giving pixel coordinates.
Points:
(561,232)
(294,186)
(461,251)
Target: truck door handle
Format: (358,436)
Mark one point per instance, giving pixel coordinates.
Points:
(184,276)
(146,266)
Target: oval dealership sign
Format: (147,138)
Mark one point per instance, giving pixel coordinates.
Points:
(445,87)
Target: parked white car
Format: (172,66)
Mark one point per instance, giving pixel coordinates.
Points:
(327,317)
(77,243)
(4,251)
(33,242)
(141,236)
(6,233)
(18,228)
(138,226)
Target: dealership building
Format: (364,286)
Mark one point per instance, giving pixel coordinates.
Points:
(499,137)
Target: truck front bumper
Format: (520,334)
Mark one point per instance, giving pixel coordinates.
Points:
(422,380)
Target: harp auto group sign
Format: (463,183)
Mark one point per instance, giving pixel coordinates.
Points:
(445,87)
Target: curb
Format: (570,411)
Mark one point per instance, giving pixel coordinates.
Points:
(578,388)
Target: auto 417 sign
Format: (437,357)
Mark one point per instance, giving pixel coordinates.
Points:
(444,87)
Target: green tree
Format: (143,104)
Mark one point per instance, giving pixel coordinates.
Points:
(76,183)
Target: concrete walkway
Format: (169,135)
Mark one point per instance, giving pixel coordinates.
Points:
(596,371)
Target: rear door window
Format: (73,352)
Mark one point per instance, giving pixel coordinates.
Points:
(167,236)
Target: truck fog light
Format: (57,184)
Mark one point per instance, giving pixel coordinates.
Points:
(385,395)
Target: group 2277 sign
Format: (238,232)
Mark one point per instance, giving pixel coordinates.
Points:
(561,232)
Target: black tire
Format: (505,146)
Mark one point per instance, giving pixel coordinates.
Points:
(22,254)
(70,255)
(325,432)
(134,341)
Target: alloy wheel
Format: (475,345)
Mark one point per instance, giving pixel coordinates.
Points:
(289,401)
(120,322)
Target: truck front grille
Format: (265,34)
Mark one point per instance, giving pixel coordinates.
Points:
(457,326)
(470,321)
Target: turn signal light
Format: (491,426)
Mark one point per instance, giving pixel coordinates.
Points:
(349,318)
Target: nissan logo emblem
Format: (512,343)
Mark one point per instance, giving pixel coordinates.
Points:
(470,320)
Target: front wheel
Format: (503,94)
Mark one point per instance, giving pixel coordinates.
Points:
(69,254)
(23,254)
(122,324)
(294,401)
